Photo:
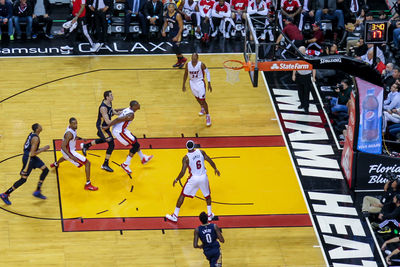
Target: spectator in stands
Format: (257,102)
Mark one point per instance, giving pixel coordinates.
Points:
(23,11)
(396,35)
(191,15)
(292,9)
(374,205)
(6,11)
(153,11)
(292,32)
(307,14)
(41,13)
(396,7)
(133,12)
(343,92)
(394,253)
(238,9)
(221,15)
(259,8)
(393,97)
(388,70)
(205,8)
(369,56)
(355,33)
(79,22)
(326,10)
(388,81)
(318,38)
(100,9)
(392,214)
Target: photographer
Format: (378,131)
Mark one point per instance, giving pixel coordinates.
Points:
(375,205)
(343,91)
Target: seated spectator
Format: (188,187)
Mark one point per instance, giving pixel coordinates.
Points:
(221,15)
(396,7)
(392,214)
(238,8)
(205,8)
(388,70)
(390,80)
(307,14)
(391,254)
(133,12)
(318,38)
(355,33)
(369,56)
(259,8)
(343,92)
(22,12)
(392,98)
(372,205)
(292,9)
(191,15)
(292,32)
(396,35)
(6,11)
(326,10)
(100,9)
(41,11)
(153,11)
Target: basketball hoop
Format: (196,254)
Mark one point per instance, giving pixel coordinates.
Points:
(232,68)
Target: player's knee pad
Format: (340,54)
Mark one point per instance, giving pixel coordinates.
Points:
(19,182)
(135,148)
(110,148)
(44,174)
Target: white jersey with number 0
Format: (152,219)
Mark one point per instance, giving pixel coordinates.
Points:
(195,72)
(72,143)
(121,126)
(196,163)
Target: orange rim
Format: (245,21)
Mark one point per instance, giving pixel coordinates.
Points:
(235,61)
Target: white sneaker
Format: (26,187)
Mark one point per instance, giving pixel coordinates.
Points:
(126,168)
(185,33)
(388,252)
(172,217)
(202,112)
(214,33)
(95,47)
(243,31)
(233,33)
(226,35)
(197,35)
(262,36)
(66,47)
(208,120)
(146,159)
(210,217)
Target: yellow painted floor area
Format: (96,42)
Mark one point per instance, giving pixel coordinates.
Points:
(256,177)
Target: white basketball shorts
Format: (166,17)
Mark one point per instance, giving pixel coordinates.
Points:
(198,88)
(194,183)
(81,159)
(125,137)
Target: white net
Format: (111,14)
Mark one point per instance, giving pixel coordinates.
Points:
(232,69)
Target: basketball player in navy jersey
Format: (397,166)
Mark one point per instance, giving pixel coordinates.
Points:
(103,119)
(175,23)
(30,161)
(209,235)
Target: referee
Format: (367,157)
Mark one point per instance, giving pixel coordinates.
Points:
(303,82)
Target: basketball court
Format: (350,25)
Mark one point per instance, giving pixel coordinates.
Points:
(257,198)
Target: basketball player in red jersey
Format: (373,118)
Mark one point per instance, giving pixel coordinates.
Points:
(238,8)
(174,20)
(205,8)
(196,70)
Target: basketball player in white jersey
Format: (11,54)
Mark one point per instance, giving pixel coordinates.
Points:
(125,137)
(196,70)
(194,160)
(68,147)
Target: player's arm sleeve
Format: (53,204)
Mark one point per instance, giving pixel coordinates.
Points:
(207,73)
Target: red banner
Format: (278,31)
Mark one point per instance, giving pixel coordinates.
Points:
(284,65)
(348,153)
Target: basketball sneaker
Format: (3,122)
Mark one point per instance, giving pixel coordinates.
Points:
(107,168)
(208,120)
(185,33)
(233,32)
(210,217)
(38,194)
(84,149)
(197,35)
(226,35)
(214,34)
(202,112)
(91,187)
(146,159)
(54,165)
(126,168)
(172,217)
(4,197)
(183,61)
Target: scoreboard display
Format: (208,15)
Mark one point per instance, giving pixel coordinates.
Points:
(376,32)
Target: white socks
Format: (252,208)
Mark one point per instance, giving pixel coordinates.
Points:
(176,212)
(209,210)
(128,160)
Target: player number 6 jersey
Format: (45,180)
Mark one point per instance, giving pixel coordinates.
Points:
(196,163)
